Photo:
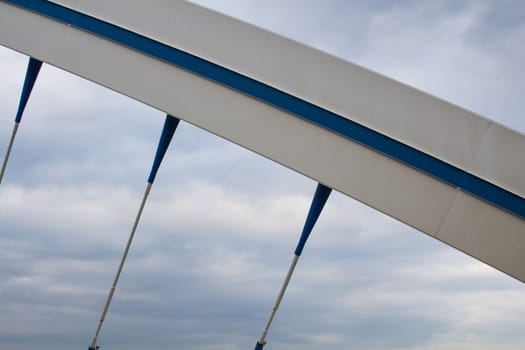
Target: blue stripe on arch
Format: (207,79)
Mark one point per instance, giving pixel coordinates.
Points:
(282,100)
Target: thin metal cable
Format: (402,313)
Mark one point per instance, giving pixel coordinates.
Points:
(262,339)
(117,276)
(4,165)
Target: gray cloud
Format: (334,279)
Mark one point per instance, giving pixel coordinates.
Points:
(220,227)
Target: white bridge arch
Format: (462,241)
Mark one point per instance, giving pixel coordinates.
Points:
(449,173)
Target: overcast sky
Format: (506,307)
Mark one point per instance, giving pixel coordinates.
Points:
(219,230)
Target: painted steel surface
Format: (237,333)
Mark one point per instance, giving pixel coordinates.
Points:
(320,197)
(33,68)
(305,115)
(168,130)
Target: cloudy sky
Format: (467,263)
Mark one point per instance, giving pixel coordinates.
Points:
(219,230)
